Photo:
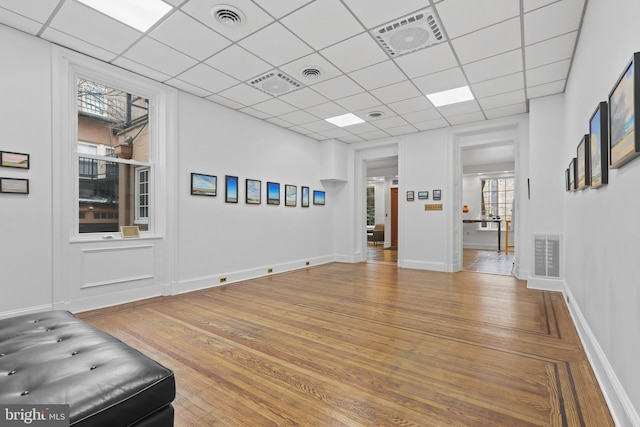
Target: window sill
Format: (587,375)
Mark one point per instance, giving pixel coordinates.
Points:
(111,237)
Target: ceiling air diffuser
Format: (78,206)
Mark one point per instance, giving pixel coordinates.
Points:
(275,83)
(410,33)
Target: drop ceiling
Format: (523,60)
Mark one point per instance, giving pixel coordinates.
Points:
(506,51)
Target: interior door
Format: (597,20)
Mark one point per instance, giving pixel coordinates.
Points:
(394,217)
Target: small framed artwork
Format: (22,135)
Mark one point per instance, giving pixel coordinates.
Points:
(567,183)
(273,193)
(129,231)
(572,174)
(290,195)
(624,100)
(410,196)
(599,145)
(253,191)
(583,172)
(437,194)
(231,189)
(424,195)
(304,200)
(318,197)
(14,160)
(14,185)
(204,185)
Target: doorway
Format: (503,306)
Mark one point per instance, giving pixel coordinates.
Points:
(382,209)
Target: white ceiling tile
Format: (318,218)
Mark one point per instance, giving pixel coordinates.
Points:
(225,101)
(332,23)
(86,24)
(373,135)
(509,110)
(189,88)
(315,61)
(35,10)
(401,130)
(159,57)
(336,133)
(410,105)
(548,73)
(300,129)
(553,20)
(362,128)
(304,98)
(255,113)
(319,126)
(495,66)
(552,50)
(465,118)
(444,80)
(374,13)
(358,102)
(274,107)
(427,61)
(530,5)
(279,122)
(339,87)
(200,42)
(351,139)
(459,108)
(299,117)
(245,94)
(546,89)
(422,116)
(488,42)
(341,54)
(279,8)
(136,67)
(396,92)
(500,85)
(476,15)
(317,136)
(390,122)
(238,62)
(276,45)
(207,78)
(504,99)
(19,22)
(324,111)
(256,18)
(378,75)
(63,39)
(174,2)
(432,124)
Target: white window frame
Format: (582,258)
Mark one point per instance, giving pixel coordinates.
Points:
(139,219)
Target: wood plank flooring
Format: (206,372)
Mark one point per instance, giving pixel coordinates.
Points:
(487,261)
(367,344)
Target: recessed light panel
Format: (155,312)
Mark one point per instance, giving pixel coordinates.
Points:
(139,14)
(345,120)
(451,96)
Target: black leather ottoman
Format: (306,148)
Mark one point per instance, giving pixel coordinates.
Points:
(56,358)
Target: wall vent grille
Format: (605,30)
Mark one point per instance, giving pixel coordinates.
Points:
(546,255)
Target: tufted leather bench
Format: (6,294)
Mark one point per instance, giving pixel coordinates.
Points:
(56,358)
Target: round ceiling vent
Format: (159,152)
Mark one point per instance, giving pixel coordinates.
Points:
(311,72)
(228,16)
(375,114)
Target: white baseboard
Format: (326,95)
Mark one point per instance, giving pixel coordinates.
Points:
(28,310)
(544,284)
(622,410)
(79,305)
(421,265)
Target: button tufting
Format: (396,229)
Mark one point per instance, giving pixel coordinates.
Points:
(12,373)
(74,353)
(24,393)
(2,355)
(93,367)
(36,321)
(59,340)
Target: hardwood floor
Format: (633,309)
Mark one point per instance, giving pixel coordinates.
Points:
(487,261)
(367,344)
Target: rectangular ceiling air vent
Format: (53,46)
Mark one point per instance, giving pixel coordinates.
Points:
(410,33)
(275,83)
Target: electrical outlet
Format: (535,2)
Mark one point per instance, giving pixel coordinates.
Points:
(223,279)
(270,270)
(567,299)
(307,263)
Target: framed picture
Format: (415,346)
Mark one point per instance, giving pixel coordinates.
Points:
(290,195)
(410,196)
(273,193)
(253,192)
(14,185)
(583,168)
(304,202)
(437,194)
(623,103)
(129,231)
(572,174)
(318,197)
(567,184)
(231,189)
(14,160)
(204,185)
(424,195)
(599,145)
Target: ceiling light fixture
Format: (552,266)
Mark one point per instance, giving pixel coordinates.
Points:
(139,14)
(345,120)
(451,96)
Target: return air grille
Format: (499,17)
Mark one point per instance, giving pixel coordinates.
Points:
(546,255)
(275,83)
(409,33)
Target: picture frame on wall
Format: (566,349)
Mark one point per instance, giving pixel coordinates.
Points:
(273,193)
(231,189)
(423,195)
(14,185)
(304,199)
(410,196)
(624,100)
(9,159)
(290,195)
(572,174)
(599,145)
(437,194)
(567,183)
(204,185)
(583,167)
(318,197)
(253,193)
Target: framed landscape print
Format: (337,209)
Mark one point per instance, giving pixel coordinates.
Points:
(623,103)
(14,160)
(599,145)
(318,197)
(231,189)
(290,195)
(253,191)
(583,173)
(14,185)
(572,174)
(304,201)
(273,193)
(423,195)
(203,185)
(567,184)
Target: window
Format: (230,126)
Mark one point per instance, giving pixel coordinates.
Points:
(112,154)
(371,205)
(497,200)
